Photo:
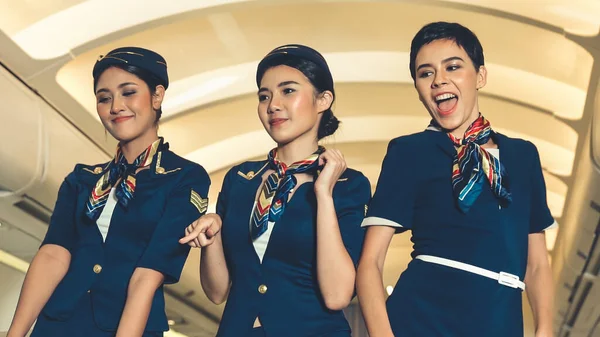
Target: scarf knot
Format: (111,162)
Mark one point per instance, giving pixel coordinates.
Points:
(473,166)
(274,194)
(121,176)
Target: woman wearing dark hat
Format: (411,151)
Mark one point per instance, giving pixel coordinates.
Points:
(475,202)
(112,240)
(285,259)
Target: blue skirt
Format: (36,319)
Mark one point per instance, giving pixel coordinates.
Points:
(432,300)
(81,324)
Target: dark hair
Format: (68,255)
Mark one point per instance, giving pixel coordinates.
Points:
(461,35)
(150,79)
(320,78)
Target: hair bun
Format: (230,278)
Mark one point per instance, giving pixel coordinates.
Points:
(329,124)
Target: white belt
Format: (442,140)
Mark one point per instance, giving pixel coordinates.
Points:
(503,278)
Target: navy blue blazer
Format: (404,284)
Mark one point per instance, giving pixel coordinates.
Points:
(283,291)
(144,235)
(415,193)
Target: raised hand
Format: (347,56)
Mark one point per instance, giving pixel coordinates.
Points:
(202,232)
(334,165)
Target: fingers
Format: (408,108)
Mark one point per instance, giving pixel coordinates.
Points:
(334,167)
(334,159)
(212,230)
(209,233)
(322,158)
(339,157)
(195,243)
(202,232)
(201,241)
(204,241)
(193,231)
(188,233)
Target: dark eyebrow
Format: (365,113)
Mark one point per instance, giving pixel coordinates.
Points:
(282,84)
(453,58)
(120,86)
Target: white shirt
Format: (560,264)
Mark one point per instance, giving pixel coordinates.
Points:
(494,152)
(103,221)
(261,243)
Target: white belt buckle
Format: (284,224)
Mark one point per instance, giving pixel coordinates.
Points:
(508,280)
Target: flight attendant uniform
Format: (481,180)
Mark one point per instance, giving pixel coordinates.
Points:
(274,277)
(112,231)
(443,291)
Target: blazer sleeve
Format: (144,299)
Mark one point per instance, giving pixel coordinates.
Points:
(62,229)
(187,202)
(350,210)
(541,218)
(224,193)
(393,202)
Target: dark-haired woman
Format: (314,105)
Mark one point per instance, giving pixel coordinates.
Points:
(112,240)
(285,259)
(474,201)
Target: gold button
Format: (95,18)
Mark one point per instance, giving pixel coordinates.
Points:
(262,288)
(160,170)
(97,268)
(98,170)
(250,174)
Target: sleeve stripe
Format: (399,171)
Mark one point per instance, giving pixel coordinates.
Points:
(376,221)
(200,203)
(552,226)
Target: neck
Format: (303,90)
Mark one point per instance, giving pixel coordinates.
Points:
(460,131)
(133,148)
(296,150)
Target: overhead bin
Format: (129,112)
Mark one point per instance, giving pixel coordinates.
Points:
(21,134)
(39,147)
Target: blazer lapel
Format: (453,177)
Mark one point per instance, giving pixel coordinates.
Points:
(443,142)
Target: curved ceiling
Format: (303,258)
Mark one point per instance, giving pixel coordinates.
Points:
(31,24)
(536,74)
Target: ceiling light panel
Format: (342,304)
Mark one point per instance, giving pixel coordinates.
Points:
(39,39)
(575,16)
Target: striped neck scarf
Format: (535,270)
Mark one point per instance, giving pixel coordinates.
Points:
(473,165)
(121,176)
(274,194)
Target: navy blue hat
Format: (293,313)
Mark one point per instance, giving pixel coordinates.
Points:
(279,54)
(134,56)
